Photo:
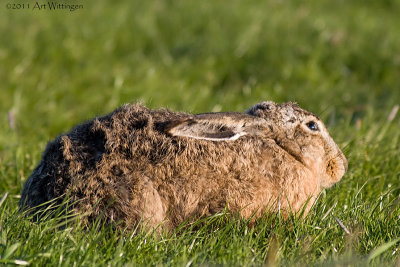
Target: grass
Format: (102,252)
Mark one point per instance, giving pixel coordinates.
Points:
(338,59)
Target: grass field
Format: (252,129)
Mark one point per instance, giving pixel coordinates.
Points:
(339,59)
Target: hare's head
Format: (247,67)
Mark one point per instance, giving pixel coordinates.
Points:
(297,132)
(304,136)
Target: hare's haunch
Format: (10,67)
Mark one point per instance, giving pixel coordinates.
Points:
(163,167)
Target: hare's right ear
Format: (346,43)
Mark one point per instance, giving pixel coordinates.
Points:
(215,126)
(261,108)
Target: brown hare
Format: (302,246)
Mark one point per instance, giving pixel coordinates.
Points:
(161,168)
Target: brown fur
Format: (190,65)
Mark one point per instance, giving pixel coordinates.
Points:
(152,166)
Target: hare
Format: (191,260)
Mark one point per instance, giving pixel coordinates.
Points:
(160,167)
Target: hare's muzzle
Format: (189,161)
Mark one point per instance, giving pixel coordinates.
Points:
(336,168)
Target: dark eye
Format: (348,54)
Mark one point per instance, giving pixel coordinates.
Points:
(312,126)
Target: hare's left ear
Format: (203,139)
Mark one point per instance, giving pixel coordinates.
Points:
(216,126)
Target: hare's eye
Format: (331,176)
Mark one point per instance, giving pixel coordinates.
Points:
(312,126)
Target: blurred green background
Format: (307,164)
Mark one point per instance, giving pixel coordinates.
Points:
(60,67)
(339,59)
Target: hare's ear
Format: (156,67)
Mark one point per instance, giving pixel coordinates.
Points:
(214,126)
(199,129)
(261,108)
